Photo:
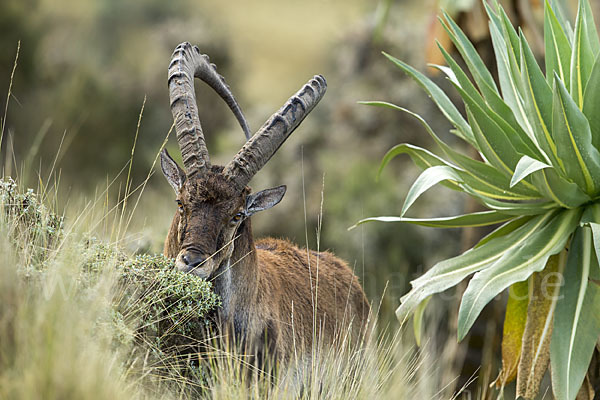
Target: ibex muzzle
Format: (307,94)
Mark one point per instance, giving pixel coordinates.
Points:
(262,285)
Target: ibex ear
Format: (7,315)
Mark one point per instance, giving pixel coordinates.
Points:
(264,200)
(175,175)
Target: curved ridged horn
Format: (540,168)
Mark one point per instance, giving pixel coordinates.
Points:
(187,63)
(261,147)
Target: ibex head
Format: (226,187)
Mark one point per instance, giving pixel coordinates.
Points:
(214,201)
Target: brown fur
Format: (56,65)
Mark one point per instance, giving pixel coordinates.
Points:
(274,294)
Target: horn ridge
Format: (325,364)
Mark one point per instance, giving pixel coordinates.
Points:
(186,63)
(260,148)
(185,111)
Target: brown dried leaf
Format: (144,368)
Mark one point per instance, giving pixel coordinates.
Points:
(535,353)
(586,392)
(512,336)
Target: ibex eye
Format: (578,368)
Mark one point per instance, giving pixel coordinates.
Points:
(237,217)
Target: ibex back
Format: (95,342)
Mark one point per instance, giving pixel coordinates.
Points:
(273,293)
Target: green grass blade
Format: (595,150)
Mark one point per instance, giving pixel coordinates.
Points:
(515,266)
(440,98)
(571,131)
(450,272)
(525,167)
(577,319)
(591,103)
(483,218)
(558,48)
(428,178)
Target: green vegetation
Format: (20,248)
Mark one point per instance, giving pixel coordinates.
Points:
(137,306)
(538,136)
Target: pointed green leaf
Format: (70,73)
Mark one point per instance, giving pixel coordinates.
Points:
(493,142)
(450,272)
(510,35)
(476,66)
(515,266)
(525,167)
(496,129)
(482,218)
(573,137)
(519,208)
(418,320)
(590,27)
(439,97)
(422,158)
(583,57)
(493,104)
(457,75)
(510,79)
(596,236)
(483,179)
(538,105)
(563,192)
(577,319)
(562,16)
(505,229)
(428,178)
(502,23)
(558,48)
(591,103)
(591,214)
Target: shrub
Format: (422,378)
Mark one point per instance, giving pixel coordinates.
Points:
(156,312)
(31,226)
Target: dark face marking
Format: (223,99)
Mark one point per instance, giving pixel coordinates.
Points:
(209,213)
(210,210)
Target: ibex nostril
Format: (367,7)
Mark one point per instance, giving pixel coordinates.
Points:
(192,260)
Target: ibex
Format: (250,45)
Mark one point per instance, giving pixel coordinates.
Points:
(275,296)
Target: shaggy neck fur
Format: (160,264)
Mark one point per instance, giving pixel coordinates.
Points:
(239,272)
